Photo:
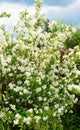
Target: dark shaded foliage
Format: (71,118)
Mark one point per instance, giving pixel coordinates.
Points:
(73,40)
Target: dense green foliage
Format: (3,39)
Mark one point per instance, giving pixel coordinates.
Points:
(73,40)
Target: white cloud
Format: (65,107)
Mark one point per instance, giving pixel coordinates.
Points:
(14,9)
(67,13)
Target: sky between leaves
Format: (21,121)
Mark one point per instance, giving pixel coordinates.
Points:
(67,10)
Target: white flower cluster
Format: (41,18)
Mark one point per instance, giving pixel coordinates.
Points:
(36,74)
(74,88)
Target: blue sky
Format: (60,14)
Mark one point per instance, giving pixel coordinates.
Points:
(49,2)
(67,10)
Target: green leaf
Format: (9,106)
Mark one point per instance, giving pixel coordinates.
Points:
(0,87)
(0,97)
(4,14)
(0,93)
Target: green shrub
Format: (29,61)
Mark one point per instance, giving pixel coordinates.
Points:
(36,79)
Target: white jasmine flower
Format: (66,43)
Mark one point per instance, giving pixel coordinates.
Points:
(2,114)
(16,122)
(37,118)
(27,120)
(13,107)
(57,106)
(18,116)
(45,99)
(38,90)
(8,59)
(30,110)
(78,72)
(10,74)
(25,91)
(27,74)
(27,82)
(44,87)
(75,88)
(54,114)
(20,93)
(40,98)
(45,118)
(19,82)
(59,110)
(46,108)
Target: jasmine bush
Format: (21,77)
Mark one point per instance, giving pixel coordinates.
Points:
(38,75)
